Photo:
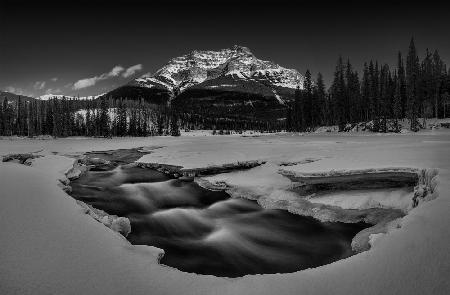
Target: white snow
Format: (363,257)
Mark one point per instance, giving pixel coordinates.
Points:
(235,74)
(48,246)
(222,85)
(60,96)
(280,100)
(389,198)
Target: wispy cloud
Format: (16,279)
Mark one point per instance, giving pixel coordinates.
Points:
(132,70)
(88,82)
(54,79)
(38,85)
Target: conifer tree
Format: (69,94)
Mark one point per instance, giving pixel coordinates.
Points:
(296,116)
(438,80)
(174,128)
(397,108)
(307,104)
(365,93)
(319,101)
(401,84)
(104,120)
(122,118)
(338,95)
(412,80)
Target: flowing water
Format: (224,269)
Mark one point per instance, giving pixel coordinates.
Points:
(207,232)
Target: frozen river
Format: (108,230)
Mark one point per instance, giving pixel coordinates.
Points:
(207,232)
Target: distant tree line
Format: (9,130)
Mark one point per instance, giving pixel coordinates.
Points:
(417,89)
(72,117)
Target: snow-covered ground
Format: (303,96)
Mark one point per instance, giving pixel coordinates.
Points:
(49,246)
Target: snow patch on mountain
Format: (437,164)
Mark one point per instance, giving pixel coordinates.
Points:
(237,62)
(61,96)
(280,100)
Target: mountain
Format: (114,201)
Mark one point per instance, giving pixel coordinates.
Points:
(226,82)
(14,97)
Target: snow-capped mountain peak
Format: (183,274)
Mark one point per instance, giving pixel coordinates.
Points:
(199,66)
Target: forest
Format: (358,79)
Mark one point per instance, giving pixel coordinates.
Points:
(414,89)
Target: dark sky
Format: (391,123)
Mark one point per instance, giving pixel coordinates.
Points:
(62,42)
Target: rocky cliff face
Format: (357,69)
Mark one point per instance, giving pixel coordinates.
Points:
(230,78)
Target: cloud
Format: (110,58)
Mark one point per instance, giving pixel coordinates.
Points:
(83,83)
(88,82)
(115,71)
(54,79)
(38,85)
(132,70)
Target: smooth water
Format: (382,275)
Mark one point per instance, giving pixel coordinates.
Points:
(207,232)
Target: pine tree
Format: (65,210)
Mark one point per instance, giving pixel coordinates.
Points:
(122,118)
(307,102)
(19,117)
(319,101)
(338,95)
(373,93)
(288,119)
(385,97)
(2,119)
(297,115)
(365,93)
(174,128)
(104,121)
(412,80)
(397,108)
(402,84)
(438,79)
(347,103)
(426,87)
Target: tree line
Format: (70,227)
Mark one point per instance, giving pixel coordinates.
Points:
(72,117)
(413,89)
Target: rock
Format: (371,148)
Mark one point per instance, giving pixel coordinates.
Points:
(64,181)
(20,158)
(66,188)
(425,190)
(121,225)
(75,172)
(118,224)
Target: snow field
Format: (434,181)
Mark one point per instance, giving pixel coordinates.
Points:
(48,245)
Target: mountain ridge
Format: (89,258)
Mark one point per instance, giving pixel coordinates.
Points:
(199,66)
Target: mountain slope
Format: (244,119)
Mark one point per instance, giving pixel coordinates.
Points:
(232,80)
(14,97)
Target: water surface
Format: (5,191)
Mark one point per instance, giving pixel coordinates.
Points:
(207,232)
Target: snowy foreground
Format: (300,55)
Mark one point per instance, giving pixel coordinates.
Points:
(49,246)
